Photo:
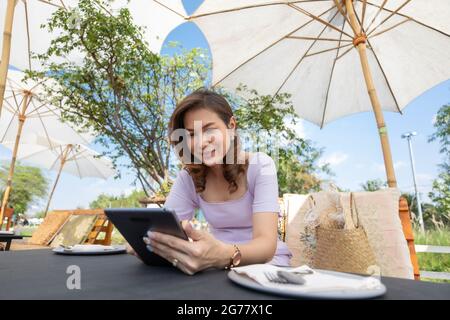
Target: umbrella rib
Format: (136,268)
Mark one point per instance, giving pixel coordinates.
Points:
(327,24)
(328,50)
(364,2)
(388,17)
(9,126)
(380,9)
(341,10)
(319,39)
(275,3)
(405,16)
(163,5)
(329,82)
(28,33)
(384,74)
(390,28)
(45,130)
(49,3)
(78,169)
(303,57)
(270,46)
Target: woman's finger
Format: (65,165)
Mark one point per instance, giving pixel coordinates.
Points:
(181,259)
(171,241)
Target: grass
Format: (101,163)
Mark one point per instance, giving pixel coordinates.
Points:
(436,262)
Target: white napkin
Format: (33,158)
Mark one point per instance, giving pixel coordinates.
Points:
(317,281)
(6,232)
(88,248)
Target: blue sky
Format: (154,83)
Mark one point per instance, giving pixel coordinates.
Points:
(351,144)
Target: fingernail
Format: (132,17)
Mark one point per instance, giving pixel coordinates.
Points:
(150,234)
(149,248)
(146,240)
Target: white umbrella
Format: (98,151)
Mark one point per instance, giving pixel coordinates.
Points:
(27,113)
(330,53)
(21,21)
(75,159)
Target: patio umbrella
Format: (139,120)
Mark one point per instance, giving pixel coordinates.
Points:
(336,57)
(26,114)
(22,34)
(75,159)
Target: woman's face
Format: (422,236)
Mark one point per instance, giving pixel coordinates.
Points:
(209,138)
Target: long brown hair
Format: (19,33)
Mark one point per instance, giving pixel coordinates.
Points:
(210,100)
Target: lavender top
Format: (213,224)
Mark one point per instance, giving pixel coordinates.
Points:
(231,221)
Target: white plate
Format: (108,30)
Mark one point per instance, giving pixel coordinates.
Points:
(322,294)
(99,251)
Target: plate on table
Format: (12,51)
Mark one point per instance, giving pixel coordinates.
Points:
(89,249)
(322,284)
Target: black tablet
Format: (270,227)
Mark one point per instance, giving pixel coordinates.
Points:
(133,224)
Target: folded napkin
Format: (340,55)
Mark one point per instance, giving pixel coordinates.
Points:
(6,232)
(88,248)
(315,282)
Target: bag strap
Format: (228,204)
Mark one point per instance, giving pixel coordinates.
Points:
(354,213)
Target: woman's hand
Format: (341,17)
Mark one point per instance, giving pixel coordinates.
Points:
(202,252)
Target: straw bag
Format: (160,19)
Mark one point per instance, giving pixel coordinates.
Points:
(344,249)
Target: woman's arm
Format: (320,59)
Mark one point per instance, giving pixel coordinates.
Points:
(261,248)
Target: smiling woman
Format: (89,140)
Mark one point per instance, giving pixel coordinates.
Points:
(237,192)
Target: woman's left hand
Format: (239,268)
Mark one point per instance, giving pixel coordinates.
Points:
(204,251)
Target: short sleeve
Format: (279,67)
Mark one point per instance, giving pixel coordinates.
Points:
(265,193)
(182,197)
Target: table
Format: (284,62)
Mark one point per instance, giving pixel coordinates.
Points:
(8,238)
(41,274)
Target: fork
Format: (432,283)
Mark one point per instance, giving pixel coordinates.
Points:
(285,277)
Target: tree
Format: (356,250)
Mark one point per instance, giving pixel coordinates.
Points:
(126,94)
(28,187)
(108,201)
(373,185)
(440,193)
(119,88)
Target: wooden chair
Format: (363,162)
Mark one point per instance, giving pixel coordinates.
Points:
(102,225)
(9,212)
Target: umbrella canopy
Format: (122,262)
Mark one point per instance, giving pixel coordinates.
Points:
(27,114)
(75,159)
(330,54)
(21,20)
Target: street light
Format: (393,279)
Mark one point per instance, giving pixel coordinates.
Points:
(408,136)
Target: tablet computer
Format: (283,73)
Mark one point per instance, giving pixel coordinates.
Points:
(134,223)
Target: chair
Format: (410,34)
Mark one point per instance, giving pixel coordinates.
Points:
(9,212)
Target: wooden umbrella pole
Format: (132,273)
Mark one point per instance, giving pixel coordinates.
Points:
(360,43)
(63,162)
(22,119)
(6,50)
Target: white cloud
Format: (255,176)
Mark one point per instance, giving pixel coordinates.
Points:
(334,159)
(398,165)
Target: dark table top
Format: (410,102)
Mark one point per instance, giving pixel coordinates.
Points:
(41,274)
(10,236)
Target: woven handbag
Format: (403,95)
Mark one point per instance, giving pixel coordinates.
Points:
(344,249)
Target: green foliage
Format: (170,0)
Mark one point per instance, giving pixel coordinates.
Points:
(268,123)
(373,185)
(108,201)
(440,194)
(114,85)
(29,186)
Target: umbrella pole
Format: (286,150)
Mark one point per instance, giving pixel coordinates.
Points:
(6,50)
(63,162)
(22,119)
(360,43)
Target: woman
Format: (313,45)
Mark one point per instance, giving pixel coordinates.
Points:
(237,192)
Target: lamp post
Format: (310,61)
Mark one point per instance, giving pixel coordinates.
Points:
(408,136)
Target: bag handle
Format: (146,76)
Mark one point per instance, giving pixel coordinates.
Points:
(354,213)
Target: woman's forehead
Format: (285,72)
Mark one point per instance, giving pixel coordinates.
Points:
(200,114)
